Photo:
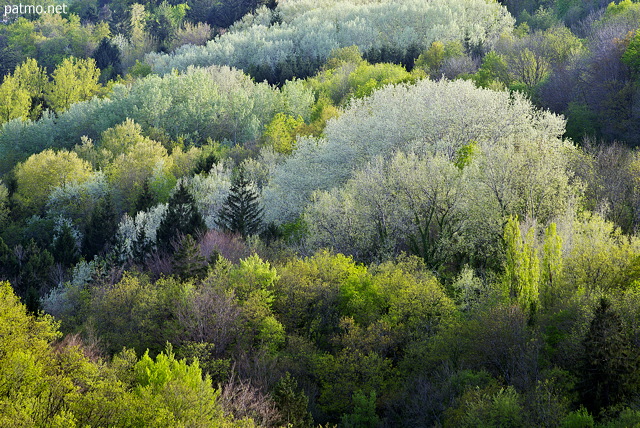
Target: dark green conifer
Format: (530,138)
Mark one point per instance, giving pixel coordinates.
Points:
(182,218)
(65,249)
(609,370)
(187,262)
(101,229)
(241,212)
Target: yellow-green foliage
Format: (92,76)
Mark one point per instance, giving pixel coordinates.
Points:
(280,134)
(74,80)
(41,173)
(600,257)
(58,386)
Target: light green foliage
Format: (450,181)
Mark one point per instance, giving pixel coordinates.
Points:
(31,77)
(74,80)
(346,75)
(41,173)
(280,134)
(432,59)
(15,101)
(578,419)
(599,256)
(253,281)
(200,105)
(364,412)
(631,55)
(177,389)
(522,267)
(411,298)
(134,160)
(493,73)
(310,31)
(503,408)
(308,294)
(4,204)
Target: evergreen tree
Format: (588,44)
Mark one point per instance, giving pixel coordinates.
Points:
(609,368)
(101,228)
(146,198)
(107,56)
(241,212)
(187,261)
(292,404)
(182,218)
(65,249)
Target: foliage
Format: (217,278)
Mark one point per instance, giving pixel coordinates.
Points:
(41,173)
(308,32)
(241,213)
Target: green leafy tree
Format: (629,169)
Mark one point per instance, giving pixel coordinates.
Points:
(74,80)
(41,173)
(522,267)
(15,101)
(292,403)
(241,212)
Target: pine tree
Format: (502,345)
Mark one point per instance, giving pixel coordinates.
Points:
(65,250)
(146,198)
(182,218)
(188,262)
(292,403)
(241,212)
(609,370)
(101,228)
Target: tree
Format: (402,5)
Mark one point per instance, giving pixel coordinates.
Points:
(292,404)
(181,218)
(41,173)
(74,80)
(15,101)
(241,213)
(522,267)
(65,249)
(101,228)
(187,261)
(609,369)
(107,56)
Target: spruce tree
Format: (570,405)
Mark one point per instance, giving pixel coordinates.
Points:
(188,262)
(101,229)
(65,249)
(182,218)
(241,212)
(609,368)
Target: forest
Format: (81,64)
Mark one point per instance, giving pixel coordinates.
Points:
(327,213)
